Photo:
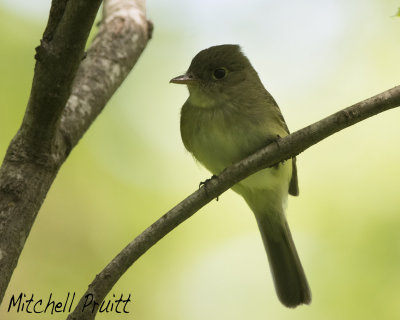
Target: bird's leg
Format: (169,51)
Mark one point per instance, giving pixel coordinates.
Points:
(204,184)
(276,140)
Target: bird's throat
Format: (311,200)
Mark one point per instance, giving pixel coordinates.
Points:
(200,99)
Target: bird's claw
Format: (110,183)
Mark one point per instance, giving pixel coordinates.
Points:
(204,184)
(276,141)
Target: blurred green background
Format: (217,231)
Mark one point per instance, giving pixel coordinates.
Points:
(315,57)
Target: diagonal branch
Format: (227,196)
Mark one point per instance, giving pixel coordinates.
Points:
(52,126)
(286,148)
(58,57)
(122,37)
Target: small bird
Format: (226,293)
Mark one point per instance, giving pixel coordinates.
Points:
(228,116)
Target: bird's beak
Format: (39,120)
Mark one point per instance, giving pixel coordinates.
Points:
(184,79)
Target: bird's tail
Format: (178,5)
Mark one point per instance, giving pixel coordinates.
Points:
(290,281)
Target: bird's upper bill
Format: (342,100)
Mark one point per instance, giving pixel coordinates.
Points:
(184,79)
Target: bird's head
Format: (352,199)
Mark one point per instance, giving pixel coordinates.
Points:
(217,75)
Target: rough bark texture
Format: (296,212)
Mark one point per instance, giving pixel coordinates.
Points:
(284,149)
(122,36)
(67,94)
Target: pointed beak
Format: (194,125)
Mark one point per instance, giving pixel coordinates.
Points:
(184,79)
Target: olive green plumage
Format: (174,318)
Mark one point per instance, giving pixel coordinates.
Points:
(228,116)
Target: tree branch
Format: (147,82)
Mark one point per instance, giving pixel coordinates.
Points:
(122,37)
(58,57)
(286,148)
(52,126)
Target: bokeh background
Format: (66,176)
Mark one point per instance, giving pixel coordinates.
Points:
(315,57)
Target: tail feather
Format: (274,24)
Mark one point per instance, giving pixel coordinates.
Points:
(290,281)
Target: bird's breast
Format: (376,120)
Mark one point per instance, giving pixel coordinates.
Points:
(220,137)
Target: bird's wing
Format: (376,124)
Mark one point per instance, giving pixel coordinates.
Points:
(294,183)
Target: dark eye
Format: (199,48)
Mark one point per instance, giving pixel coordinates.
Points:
(219,73)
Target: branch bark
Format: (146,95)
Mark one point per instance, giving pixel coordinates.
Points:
(286,148)
(67,95)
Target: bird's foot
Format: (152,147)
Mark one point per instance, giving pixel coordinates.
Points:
(204,184)
(276,140)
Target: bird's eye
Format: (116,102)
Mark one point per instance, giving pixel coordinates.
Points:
(219,73)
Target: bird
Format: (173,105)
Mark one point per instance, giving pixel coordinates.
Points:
(228,116)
